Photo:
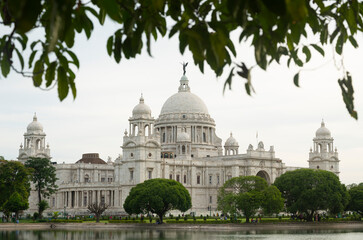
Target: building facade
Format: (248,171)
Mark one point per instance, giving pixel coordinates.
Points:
(181,144)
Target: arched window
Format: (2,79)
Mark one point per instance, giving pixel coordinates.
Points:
(37,144)
(204,137)
(163,137)
(183,149)
(86,178)
(136,130)
(146,130)
(318,167)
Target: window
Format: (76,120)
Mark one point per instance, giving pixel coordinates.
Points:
(150,155)
(210,199)
(109,179)
(229,177)
(178,178)
(163,137)
(131,174)
(331,167)
(204,137)
(217,179)
(53,202)
(86,178)
(185,179)
(210,179)
(132,155)
(150,174)
(198,179)
(85,201)
(103,199)
(317,167)
(183,149)
(102,179)
(171,176)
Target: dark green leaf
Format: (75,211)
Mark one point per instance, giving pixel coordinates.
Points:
(319,49)
(109,45)
(339,44)
(38,73)
(307,53)
(31,58)
(74,58)
(5,66)
(353,41)
(296,79)
(63,86)
(50,73)
(21,60)
(347,92)
(228,80)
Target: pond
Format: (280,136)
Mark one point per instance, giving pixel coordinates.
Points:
(136,234)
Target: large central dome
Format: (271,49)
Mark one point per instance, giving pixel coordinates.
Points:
(184,101)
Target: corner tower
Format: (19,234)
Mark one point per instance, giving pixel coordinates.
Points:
(34,142)
(323,155)
(141,148)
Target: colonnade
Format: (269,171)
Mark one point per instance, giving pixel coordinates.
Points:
(82,198)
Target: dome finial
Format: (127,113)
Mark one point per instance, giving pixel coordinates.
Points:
(322,122)
(35,117)
(185,64)
(142,98)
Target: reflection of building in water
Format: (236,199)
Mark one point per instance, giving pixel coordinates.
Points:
(181,144)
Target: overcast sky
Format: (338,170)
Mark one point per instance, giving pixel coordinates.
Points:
(283,115)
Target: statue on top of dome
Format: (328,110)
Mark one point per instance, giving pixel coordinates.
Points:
(184,67)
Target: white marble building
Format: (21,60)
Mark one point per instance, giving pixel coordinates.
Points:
(181,144)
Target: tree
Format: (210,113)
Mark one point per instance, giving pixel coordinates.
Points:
(157,196)
(44,178)
(42,206)
(309,190)
(275,29)
(14,178)
(16,203)
(356,199)
(97,209)
(248,194)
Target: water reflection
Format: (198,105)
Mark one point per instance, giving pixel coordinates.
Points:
(137,234)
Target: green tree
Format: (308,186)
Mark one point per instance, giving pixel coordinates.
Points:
(42,206)
(157,196)
(245,195)
(16,203)
(356,199)
(14,178)
(44,178)
(276,29)
(309,190)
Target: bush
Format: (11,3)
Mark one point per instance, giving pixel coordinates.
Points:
(65,221)
(35,216)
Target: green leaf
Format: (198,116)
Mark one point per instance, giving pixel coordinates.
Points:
(21,60)
(63,61)
(117,48)
(25,14)
(228,80)
(296,79)
(38,73)
(63,86)
(5,66)
(109,45)
(347,93)
(353,41)
(307,53)
(69,37)
(50,73)
(339,44)
(31,58)
(74,57)
(319,49)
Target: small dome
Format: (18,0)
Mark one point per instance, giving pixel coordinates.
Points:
(35,126)
(323,132)
(91,158)
(231,142)
(183,137)
(141,110)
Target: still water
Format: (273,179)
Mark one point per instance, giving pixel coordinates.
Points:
(136,234)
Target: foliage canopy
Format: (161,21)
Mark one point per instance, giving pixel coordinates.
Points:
(14,179)
(44,178)
(356,199)
(275,29)
(309,190)
(157,196)
(247,194)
